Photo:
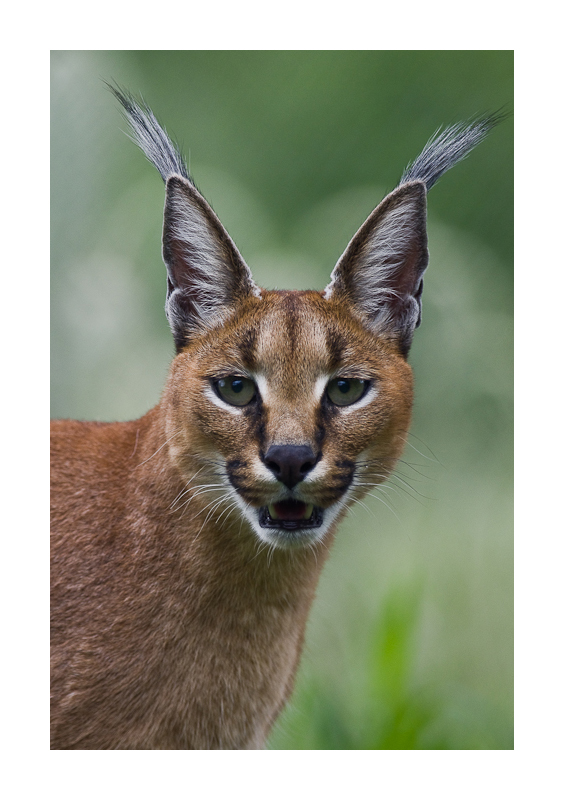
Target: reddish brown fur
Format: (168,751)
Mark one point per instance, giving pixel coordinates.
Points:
(174,628)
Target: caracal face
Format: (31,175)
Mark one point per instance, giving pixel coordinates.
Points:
(288,413)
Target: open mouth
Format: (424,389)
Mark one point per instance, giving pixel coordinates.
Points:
(290,515)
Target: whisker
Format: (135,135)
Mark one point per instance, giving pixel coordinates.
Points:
(260,547)
(376,497)
(400,489)
(206,491)
(434,457)
(270,553)
(159,448)
(412,488)
(360,503)
(230,509)
(213,505)
(313,550)
(377,462)
(382,487)
(198,493)
(185,490)
(413,467)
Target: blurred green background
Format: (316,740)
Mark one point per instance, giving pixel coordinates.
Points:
(410,642)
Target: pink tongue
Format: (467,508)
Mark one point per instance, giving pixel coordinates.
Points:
(290,510)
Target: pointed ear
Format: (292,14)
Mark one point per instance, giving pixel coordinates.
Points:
(206,273)
(380,274)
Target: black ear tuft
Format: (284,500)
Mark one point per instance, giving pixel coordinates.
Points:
(380,273)
(206,274)
(150,136)
(447,147)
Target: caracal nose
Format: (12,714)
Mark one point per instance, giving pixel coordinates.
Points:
(290,463)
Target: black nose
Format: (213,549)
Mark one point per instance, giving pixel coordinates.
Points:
(290,463)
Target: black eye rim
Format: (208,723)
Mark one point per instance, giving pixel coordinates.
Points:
(233,376)
(367,383)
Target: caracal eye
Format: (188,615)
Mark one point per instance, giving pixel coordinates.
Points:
(346,391)
(235,390)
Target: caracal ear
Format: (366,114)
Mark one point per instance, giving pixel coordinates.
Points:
(380,274)
(206,273)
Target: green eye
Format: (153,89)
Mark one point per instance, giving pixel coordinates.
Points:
(346,391)
(235,390)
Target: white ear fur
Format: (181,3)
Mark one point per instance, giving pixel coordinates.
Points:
(380,272)
(206,272)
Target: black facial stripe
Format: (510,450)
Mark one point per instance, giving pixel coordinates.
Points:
(248,493)
(235,464)
(255,415)
(336,345)
(291,323)
(327,411)
(346,473)
(319,436)
(343,481)
(247,348)
(232,468)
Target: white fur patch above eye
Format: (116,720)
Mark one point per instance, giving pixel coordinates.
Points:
(321,386)
(262,386)
(267,396)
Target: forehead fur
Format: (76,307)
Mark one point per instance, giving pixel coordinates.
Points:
(297,333)
(292,335)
